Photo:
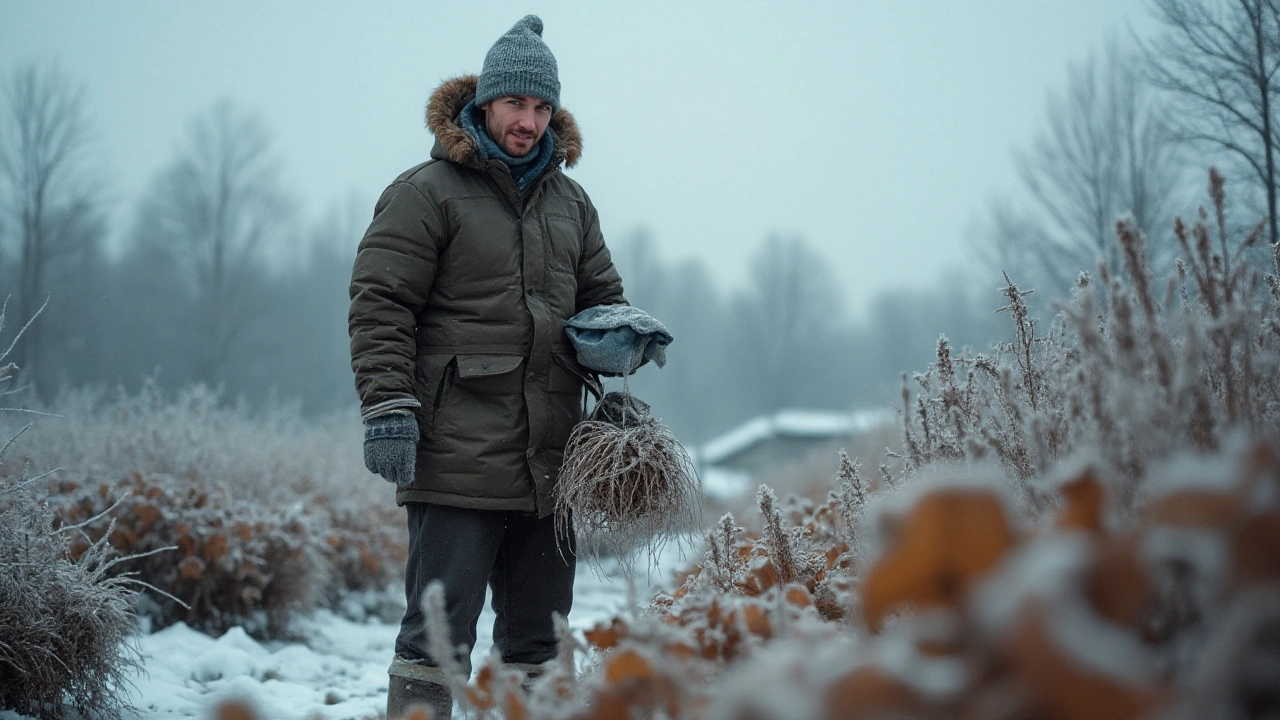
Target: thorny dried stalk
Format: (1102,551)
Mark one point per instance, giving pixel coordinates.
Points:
(781,552)
(439,644)
(722,553)
(1120,370)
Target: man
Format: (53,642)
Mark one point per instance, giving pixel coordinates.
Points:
(468,386)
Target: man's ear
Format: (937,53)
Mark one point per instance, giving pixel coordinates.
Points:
(485,107)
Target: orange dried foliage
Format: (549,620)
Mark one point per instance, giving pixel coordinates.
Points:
(1081,504)
(147,515)
(124,538)
(866,692)
(680,650)
(1061,688)
(514,706)
(233,710)
(949,540)
(187,545)
(606,637)
(191,568)
(757,621)
(480,693)
(634,689)
(1261,465)
(761,576)
(798,595)
(836,556)
(1204,509)
(1255,551)
(215,547)
(1117,585)
(625,665)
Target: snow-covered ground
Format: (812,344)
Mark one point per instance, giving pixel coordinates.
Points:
(341,670)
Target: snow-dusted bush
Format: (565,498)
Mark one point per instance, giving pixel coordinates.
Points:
(232,561)
(270,515)
(1133,369)
(64,622)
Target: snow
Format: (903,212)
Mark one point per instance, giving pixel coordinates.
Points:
(792,423)
(1188,471)
(341,669)
(725,485)
(941,678)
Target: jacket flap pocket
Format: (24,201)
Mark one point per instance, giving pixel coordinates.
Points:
(472,366)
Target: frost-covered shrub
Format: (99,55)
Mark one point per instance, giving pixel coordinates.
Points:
(233,561)
(1131,370)
(269,515)
(64,622)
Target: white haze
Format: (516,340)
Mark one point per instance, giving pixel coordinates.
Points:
(875,130)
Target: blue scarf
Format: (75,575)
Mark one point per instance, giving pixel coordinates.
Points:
(524,170)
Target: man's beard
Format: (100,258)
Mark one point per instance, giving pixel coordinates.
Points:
(517,152)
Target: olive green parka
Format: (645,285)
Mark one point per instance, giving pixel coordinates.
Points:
(459,295)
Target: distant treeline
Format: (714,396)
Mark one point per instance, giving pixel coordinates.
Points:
(218,280)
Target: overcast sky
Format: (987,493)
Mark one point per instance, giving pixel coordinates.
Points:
(877,130)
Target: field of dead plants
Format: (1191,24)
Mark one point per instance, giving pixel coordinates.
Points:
(1081,522)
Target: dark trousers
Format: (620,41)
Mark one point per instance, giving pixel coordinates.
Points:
(515,554)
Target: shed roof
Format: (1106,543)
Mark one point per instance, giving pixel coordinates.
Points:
(792,423)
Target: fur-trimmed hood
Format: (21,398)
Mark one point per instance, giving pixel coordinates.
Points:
(446,103)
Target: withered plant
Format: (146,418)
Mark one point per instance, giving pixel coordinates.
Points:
(65,623)
(1127,372)
(263,507)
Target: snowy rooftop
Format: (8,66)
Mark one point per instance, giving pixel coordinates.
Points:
(796,423)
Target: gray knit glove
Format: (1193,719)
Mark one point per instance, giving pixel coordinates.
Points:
(391,446)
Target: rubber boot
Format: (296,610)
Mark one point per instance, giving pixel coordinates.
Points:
(413,685)
(530,671)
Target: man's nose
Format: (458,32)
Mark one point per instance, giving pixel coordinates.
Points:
(526,119)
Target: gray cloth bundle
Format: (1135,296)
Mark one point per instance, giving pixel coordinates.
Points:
(617,339)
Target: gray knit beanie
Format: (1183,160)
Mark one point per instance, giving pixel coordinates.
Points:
(520,64)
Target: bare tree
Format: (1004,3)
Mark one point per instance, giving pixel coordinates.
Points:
(1221,58)
(1104,152)
(788,315)
(213,215)
(50,204)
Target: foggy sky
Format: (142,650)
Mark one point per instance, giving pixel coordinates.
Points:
(877,130)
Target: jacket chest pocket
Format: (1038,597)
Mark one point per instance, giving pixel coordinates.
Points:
(563,236)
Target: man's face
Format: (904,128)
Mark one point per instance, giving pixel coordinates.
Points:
(516,122)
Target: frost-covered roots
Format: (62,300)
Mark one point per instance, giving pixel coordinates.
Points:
(628,487)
